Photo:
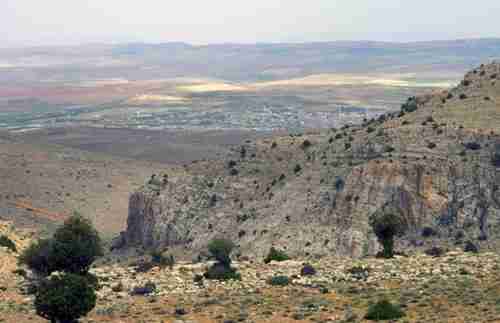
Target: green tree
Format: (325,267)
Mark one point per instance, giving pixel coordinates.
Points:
(73,248)
(221,250)
(76,245)
(64,298)
(386,226)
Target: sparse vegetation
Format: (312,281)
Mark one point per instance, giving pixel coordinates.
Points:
(7,243)
(384,310)
(276,255)
(279,280)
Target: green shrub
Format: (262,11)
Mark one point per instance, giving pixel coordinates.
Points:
(37,257)
(370,129)
(76,245)
(221,250)
(64,298)
(431,145)
(410,105)
(276,255)
(7,243)
(278,281)
(219,271)
(386,226)
(384,310)
(388,149)
(297,169)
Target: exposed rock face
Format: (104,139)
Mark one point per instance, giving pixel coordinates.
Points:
(435,172)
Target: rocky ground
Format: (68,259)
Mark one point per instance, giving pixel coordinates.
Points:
(455,287)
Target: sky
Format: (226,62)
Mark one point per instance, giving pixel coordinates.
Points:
(69,22)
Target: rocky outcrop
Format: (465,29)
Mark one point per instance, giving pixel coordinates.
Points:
(316,199)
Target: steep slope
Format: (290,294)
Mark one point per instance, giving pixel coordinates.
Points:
(433,165)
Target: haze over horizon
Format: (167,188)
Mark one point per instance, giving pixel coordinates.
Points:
(59,22)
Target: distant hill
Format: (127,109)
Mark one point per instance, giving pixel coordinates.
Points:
(245,62)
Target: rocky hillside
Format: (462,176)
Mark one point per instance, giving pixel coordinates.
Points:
(435,164)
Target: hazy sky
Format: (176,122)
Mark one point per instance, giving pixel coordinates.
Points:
(36,22)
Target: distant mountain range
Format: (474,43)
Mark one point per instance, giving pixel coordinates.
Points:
(244,62)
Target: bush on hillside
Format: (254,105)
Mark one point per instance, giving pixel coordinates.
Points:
(384,310)
(64,298)
(276,255)
(220,271)
(410,105)
(7,243)
(221,249)
(279,280)
(386,227)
